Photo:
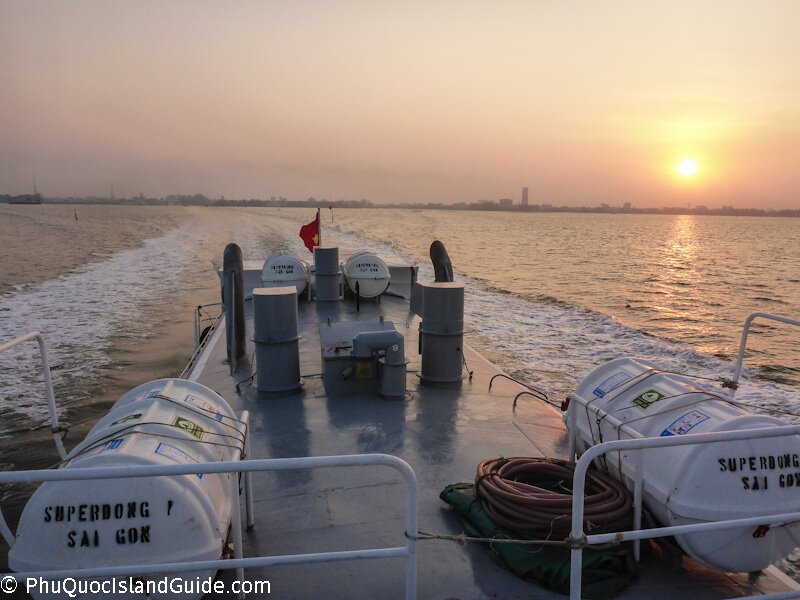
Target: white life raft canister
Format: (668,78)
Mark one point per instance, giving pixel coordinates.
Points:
(369,272)
(143,520)
(628,398)
(282,269)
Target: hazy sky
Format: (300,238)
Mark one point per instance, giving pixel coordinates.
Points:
(583,102)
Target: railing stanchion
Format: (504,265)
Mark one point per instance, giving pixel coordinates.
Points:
(248,476)
(737,370)
(236,530)
(638,483)
(576,553)
(48,385)
(411,534)
(196,329)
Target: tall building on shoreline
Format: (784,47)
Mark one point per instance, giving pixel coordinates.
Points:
(524,196)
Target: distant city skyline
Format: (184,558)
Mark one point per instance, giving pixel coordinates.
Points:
(653,103)
(503,204)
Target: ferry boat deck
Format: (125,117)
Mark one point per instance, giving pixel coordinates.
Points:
(340,403)
(443,433)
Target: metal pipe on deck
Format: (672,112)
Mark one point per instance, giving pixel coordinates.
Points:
(233,301)
(393,377)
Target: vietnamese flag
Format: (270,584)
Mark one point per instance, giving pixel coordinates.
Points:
(310,234)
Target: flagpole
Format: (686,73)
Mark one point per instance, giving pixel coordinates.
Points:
(319,228)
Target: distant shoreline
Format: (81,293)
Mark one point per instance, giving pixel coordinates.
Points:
(200,200)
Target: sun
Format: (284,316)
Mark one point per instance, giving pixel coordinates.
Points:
(688,167)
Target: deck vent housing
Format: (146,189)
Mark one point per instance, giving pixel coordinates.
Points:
(276,339)
(327,276)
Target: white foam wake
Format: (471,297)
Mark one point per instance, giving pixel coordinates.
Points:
(80,314)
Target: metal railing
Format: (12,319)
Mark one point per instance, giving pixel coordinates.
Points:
(199,320)
(408,551)
(579,537)
(733,384)
(201,347)
(48,385)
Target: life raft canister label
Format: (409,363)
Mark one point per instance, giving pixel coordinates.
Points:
(645,399)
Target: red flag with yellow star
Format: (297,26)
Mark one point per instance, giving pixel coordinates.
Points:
(309,233)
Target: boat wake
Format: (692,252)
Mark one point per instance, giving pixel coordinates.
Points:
(82,315)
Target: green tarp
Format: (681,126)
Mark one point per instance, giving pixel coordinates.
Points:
(605,572)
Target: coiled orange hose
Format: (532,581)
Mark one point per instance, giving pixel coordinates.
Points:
(532,497)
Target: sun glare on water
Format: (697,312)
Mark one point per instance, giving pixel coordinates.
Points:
(687,167)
